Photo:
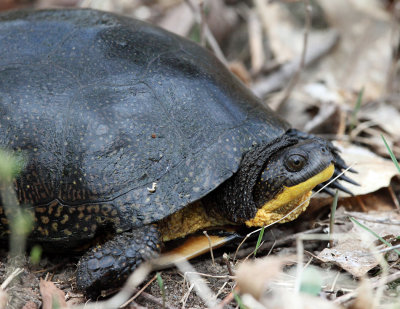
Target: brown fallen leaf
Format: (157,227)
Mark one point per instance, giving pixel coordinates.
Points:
(374,172)
(3,299)
(365,298)
(179,19)
(253,276)
(353,252)
(51,295)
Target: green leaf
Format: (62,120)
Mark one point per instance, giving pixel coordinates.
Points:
(396,163)
(311,281)
(36,254)
(260,237)
(239,301)
(162,287)
(11,164)
(373,233)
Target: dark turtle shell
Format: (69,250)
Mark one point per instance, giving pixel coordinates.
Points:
(104,106)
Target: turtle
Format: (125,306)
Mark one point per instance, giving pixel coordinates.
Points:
(131,131)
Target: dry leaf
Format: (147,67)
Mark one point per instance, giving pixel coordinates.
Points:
(365,298)
(363,55)
(179,19)
(384,115)
(374,172)
(353,252)
(51,295)
(3,299)
(253,276)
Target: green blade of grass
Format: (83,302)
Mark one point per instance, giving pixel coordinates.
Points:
(260,237)
(396,163)
(239,301)
(162,288)
(373,233)
(36,254)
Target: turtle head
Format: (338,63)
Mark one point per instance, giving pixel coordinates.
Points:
(284,185)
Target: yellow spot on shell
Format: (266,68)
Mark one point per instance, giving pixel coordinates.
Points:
(58,212)
(65,219)
(44,219)
(41,210)
(54,226)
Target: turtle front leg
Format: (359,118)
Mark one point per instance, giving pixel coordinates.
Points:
(110,264)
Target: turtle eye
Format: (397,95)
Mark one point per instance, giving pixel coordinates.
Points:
(295,162)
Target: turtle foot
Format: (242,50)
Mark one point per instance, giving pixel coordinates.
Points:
(109,265)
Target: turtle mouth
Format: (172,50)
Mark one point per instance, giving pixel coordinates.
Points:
(290,202)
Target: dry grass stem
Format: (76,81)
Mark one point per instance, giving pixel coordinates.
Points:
(203,291)
(11,277)
(225,257)
(136,278)
(294,80)
(210,246)
(207,32)
(255,43)
(138,292)
(279,78)
(375,283)
(186,296)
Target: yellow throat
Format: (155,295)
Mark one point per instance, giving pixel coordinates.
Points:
(291,202)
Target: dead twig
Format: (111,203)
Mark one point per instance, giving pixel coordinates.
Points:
(138,292)
(157,301)
(225,301)
(11,277)
(207,32)
(294,80)
(255,43)
(202,290)
(210,246)
(278,79)
(225,257)
(136,278)
(375,283)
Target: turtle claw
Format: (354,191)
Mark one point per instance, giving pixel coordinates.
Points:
(349,180)
(325,190)
(340,187)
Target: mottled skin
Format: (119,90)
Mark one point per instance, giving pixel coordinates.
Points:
(103,106)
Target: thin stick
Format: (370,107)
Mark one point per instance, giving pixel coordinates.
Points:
(225,257)
(11,277)
(136,278)
(203,291)
(294,80)
(210,246)
(299,270)
(139,292)
(207,32)
(186,296)
(225,301)
(394,198)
